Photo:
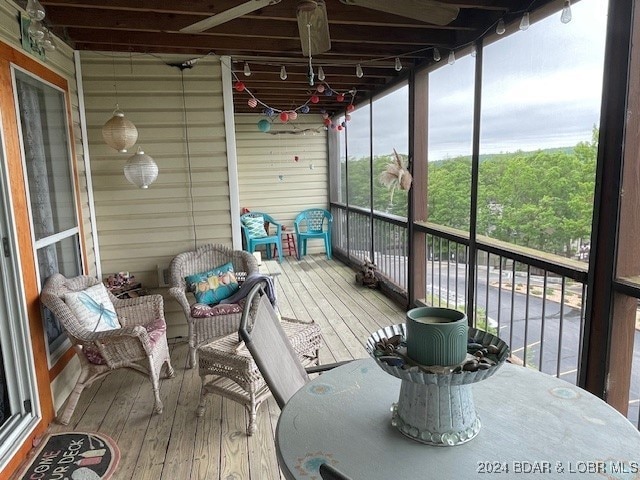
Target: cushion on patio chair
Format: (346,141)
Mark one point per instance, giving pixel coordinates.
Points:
(202,310)
(256,234)
(156,331)
(202,326)
(139,344)
(214,285)
(94,308)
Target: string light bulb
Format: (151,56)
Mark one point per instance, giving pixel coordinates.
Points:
(283,73)
(397,65)
(566,12)
(47,41)
(436,55)
(452,58)
(36,30)
(35,10)
(321,74)
(247,70)
(500,28)
(359,72)
(524,22)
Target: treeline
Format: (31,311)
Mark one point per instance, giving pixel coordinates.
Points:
(541,200)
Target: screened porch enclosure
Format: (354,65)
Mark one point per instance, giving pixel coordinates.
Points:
(506,215)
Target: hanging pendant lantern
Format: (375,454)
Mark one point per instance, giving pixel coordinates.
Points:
(119,132)
(141,169)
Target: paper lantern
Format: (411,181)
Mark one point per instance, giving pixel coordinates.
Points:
(340,97)
(141,169)
(304,109)
(314,99)
(119,132)
(264,125)
(239,86)
(293,115)
(327,121)
(350,107)
(252,102)
(320,88)
(284,117)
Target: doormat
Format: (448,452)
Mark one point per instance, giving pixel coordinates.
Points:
(72,456)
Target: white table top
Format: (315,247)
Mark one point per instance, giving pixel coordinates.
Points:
(533,425)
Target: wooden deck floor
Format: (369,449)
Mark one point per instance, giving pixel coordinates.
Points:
(179,446)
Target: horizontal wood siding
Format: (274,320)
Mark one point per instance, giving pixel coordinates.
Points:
(270,178)
(189,202)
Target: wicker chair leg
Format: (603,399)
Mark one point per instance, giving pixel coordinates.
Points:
(155,382)
(252,408)
(71,404)
(191,363)
(170,372)
(203,399)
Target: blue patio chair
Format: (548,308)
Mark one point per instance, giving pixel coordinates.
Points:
(311,224)
(256,226)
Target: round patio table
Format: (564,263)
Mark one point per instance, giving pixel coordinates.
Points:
(533,426)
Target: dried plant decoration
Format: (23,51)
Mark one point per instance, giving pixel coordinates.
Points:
(396,174)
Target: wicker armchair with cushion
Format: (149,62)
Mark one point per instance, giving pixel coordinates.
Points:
(205,321)
(108,333)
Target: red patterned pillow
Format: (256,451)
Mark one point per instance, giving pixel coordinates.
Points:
(201,310)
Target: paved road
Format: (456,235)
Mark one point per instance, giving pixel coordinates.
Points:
(523,322)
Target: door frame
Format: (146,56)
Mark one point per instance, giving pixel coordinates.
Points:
(22,248)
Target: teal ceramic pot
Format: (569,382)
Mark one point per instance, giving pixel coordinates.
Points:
(437,336)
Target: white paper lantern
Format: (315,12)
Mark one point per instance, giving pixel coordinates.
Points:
(141,169)
(119,132)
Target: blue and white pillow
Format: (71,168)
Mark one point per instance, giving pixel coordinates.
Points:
(93,308)
(255,226)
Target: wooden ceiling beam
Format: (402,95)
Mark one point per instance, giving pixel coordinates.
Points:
(209,7)
(243,27)
(135,41)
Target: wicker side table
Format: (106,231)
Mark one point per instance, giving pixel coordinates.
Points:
(236,375)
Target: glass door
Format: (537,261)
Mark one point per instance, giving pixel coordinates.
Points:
(47,165)
(18,396)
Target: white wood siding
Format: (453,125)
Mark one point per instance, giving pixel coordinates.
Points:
(189,202)
(61,62)
(270,178)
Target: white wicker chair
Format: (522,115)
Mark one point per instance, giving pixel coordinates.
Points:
(202,259)
(141,343)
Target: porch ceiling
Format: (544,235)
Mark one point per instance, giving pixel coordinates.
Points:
(268,38)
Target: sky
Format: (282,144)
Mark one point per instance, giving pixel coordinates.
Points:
(541,89)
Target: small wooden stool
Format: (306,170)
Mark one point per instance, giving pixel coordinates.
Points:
(288,242)
(236,375)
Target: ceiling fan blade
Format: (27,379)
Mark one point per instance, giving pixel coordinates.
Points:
(429,11)
(228,15)
(314,23)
